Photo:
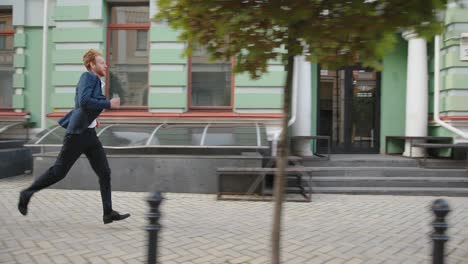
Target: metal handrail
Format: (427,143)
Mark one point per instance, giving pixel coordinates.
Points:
(9,126)
(161,146)
(202,141)
(259,136)
(153,133)
(104,129)
(46,134)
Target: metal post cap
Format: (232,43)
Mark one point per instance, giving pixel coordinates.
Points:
(440,207)
(155,199)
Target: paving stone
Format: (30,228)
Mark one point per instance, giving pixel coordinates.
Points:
(65,226)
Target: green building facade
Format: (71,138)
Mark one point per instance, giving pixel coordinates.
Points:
(357,107)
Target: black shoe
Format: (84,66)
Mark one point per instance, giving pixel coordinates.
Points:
(114,216)
(23,203)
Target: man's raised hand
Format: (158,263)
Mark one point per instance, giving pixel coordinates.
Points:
(115,102)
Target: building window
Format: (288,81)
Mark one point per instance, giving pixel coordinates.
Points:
(6,59)
(128,60)
(210,82)
(142,40)
(2,37)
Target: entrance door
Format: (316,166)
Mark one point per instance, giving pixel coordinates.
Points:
(348,109)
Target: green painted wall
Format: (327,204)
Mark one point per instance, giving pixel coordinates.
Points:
(168,56)
(62,100)
(66,78)
(454,103)
(19,81)
(452,59)
(163,35)
(20,40)
(258,100)
(72,57)
(168,100)
(32,91)
(168,78)
(69,56)
(18,101)
(78,35)
(63,13)
(19,61)
(268,79)
(454,81)
(452,76)
(393,95)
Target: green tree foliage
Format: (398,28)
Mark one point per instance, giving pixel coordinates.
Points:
(337,32)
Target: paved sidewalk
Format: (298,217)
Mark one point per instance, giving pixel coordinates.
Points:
(65,226)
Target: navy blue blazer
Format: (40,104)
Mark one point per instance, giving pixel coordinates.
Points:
(89,103)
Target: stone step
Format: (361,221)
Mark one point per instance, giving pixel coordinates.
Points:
(370,178)
(379,174)
(401,162)
(419,191)
(363,181)
(384,172)
(362,163)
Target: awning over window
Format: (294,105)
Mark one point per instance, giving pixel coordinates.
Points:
(200,135)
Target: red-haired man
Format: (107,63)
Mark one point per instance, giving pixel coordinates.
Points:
(81,138)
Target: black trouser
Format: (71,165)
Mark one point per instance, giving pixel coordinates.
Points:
(73,146)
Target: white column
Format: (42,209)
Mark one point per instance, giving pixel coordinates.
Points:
(303,108)
(416,91)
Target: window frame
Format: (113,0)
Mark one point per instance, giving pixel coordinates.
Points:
(3,37)
(189,89)
(7,33)
(127,26)
(138,42)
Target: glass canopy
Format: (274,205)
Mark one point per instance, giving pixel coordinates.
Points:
(199,135)
(13,130)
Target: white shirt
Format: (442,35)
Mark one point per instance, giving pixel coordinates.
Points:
(94,123)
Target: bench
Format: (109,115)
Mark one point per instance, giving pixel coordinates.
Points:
(315,139)
(413,138)
(440,146)
(296,174)
(270,161)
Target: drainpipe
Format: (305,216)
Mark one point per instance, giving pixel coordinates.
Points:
(437,90)
(45,28)
(292,120)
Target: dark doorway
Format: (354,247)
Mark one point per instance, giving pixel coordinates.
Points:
(349,109)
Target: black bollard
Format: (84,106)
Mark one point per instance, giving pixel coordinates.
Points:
(440,208)
(153,228)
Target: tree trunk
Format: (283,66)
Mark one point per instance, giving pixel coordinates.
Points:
(281,164)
